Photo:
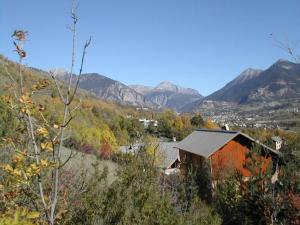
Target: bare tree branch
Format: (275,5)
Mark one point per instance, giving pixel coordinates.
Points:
(58,88)
(67,160)
(289,48)
(37,159)
(87,43)
(68,100)
(76,107)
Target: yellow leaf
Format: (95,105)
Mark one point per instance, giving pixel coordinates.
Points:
(17,158)
(33,215)
(7,167)
(44,163)
(60,214)
(55,126)
(47,146)
(17,172)
(22,99)
(40,85)
(25,111)
(42,132)
(34,87)
(33,170)
(25,98)
(8,99)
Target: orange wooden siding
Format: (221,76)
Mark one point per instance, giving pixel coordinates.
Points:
(232,157)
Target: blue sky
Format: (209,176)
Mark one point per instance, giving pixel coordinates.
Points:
(193,43)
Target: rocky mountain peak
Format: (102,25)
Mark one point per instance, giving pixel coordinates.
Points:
(247,74)
(168,95)
(282,64)
(282,61)
(280,81)
(142,89)
(167,86)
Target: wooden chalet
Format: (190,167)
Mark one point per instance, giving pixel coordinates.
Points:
(225,151)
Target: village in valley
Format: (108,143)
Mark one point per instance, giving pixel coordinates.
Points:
(219,146)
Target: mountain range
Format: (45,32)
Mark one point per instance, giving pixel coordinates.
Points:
(278,82)
(164,95)
(168,95)
(281,80)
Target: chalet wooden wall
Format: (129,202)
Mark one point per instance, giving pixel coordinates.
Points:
(232,157)
(189,160)
(228,159)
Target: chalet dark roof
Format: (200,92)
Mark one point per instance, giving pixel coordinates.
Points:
(169,153)
(205,142)
(166,151)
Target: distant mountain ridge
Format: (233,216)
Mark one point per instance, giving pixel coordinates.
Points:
(164,95)
(281,80)
(142,89)
(112,90)
(108,89)
(168,86)
(232,91)
(278,82)
(168,95)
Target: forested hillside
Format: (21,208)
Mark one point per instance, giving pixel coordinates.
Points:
(97,120)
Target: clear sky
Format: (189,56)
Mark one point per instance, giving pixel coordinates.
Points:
(201,44)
